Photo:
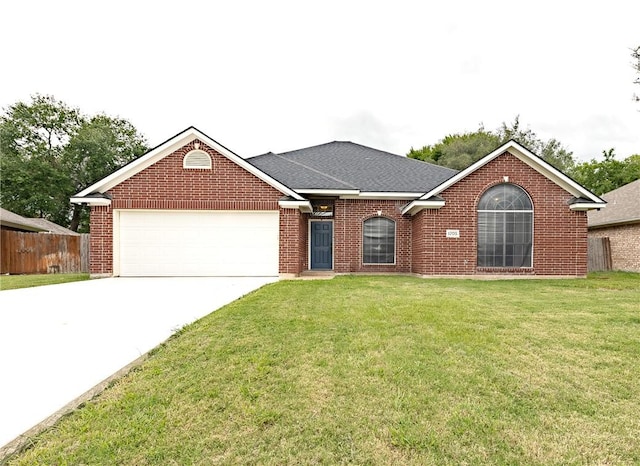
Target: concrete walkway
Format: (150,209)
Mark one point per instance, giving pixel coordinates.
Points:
(59,341)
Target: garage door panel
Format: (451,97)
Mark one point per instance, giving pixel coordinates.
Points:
(170,243)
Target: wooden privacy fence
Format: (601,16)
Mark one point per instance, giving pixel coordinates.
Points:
(27,253)
(599,254)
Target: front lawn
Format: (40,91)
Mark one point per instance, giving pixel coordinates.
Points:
(381,370)
(10,282)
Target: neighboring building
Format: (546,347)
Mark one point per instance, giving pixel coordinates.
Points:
(36,245)
(620,222)
(15,222)
(192,207)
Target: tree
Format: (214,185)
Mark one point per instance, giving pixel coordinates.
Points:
(602,176)
(100,146)
(458,150)
(49,151)
(551,151)
(32,139)
(461,150)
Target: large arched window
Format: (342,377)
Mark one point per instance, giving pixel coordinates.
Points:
(505,227)
(379,241)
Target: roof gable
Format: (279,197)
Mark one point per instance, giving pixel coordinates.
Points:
(588,200)
(161,151)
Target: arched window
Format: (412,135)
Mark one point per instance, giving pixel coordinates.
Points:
(505,227)
(197,159)
(379,241)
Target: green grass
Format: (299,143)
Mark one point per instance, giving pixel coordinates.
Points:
(10,282)
(381,370)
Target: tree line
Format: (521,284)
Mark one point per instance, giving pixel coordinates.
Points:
(600,174)
(50,151)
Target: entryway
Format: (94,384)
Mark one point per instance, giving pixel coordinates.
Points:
(321,247)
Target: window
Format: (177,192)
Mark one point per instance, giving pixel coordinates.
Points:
(379,241)
(505,227)
(197,159)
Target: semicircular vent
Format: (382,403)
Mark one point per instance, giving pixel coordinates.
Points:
(197,159)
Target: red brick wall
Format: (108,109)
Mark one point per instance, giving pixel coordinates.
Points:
(560,238)
(560,235)
(292,242)
(349,215)
(625,245)
(166,185)
(101,241)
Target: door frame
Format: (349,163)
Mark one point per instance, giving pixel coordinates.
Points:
(310,236)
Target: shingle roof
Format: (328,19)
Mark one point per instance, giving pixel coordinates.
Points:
(623,206)
(343,165)
(9,219)
(53,227)
(41,225)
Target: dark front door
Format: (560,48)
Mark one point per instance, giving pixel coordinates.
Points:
(321,245)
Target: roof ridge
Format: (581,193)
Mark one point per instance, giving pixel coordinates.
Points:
(308,147)
(315,170)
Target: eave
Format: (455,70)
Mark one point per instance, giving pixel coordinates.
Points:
(358,194)
(416,206)
(585,206)
(303,205)
(538,164)
(614,223)
(91,201)
(22,226)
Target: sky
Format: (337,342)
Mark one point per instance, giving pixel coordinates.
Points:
(261,76)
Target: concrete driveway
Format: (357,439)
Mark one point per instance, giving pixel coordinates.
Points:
(59,341)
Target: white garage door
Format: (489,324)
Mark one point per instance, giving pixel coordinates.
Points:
(196,243)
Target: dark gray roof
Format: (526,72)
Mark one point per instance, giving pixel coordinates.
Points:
(345,165)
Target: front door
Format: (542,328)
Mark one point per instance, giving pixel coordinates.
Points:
(321,245)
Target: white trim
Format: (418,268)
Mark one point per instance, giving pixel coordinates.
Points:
(418,205)
(357,194)
(509,210)
(116,246)
(384,195)
(304,206)
(389,195)
(584,206)
(167,148)
(330,192)
(92,201)
(527,211)
(395,242)
(333,234)
(524,155)
(207,166)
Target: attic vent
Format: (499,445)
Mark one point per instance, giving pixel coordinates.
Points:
(197,159)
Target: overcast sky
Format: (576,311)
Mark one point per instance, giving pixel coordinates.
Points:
(275,75)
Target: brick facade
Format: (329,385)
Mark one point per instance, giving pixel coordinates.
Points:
(625,245)
(167,185)
(349,217)
(560,235)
